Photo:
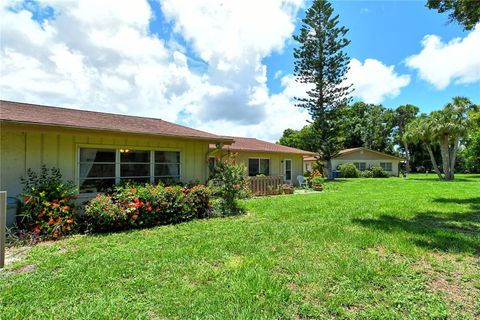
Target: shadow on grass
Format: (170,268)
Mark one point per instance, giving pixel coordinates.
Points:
(443,231)
(469,178)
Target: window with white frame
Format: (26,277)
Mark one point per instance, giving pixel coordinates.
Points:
(258,167)
(362,166)
(387,166)
(101,168)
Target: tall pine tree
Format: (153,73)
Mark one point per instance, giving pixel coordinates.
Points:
(321,62)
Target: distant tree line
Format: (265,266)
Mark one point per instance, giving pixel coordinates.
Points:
(425,141)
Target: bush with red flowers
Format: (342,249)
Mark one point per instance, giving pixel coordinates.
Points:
(133,206)
(48,207)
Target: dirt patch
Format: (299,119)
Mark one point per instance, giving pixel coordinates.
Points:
(454,278)
(13,254)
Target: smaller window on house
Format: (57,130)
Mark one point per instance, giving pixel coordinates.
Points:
(167,166)
(387,166)
(362,166)
(258,166)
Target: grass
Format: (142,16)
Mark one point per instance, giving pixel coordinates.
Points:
(363,249)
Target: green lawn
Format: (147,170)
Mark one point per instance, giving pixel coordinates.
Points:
(392,248)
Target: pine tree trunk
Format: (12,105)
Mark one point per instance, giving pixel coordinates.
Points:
(434,162)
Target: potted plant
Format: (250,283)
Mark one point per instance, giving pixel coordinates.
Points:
(316,183)
(287,189)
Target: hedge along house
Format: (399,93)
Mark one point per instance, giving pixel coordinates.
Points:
(264,158)
(364,158)
(97,150)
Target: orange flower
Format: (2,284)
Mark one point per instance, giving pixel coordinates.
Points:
(70,221)
(55,205)
(66,208)
(37,229)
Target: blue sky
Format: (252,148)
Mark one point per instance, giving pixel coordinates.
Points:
(224,66)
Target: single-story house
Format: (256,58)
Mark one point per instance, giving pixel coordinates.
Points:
(264,158)
(364,158)
(97,150)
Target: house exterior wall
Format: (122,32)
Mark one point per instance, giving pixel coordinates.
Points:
(276,164)
(371,159)
(29,146)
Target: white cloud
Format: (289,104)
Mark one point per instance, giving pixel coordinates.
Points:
(373,81)
(442,63)
(101,55)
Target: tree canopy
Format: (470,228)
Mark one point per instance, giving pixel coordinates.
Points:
(465,12)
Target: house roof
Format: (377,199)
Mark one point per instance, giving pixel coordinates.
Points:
(310,158)
(351,150)
(256,145)
(55,116)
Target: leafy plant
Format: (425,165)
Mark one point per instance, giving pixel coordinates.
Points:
(316,181)
(230,184)
(348,170)
(48,207)
(366,174)
(378,172)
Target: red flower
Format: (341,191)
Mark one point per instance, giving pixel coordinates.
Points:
(37,229)
(149,209)
(66,208)
(134,217)
(26,199)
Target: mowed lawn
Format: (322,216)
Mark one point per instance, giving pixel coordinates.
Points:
(367,248)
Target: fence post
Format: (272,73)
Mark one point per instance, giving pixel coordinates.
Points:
(3,226)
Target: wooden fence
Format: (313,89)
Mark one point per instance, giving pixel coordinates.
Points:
(263,186)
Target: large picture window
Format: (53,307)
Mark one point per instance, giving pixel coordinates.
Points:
(100,169)
(258,166)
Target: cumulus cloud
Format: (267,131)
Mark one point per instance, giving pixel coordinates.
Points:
(102,55)
(374,81)
(457,61)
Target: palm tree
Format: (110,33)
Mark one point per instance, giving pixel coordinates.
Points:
(447,128)
(419,131)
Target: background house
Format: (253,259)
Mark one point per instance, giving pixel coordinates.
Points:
(364,158)
(265,158)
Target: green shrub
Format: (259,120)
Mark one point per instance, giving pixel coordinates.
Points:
(366,174)
(378,172)
(348,170)
(316,181)
(229,184)
(141,206)
(48,207)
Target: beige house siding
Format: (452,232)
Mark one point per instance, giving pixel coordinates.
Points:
(28,146)
(371,159)
(276,162)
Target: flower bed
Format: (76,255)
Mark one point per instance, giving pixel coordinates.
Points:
(145,206)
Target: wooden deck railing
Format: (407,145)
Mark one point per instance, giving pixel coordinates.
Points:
(263,186)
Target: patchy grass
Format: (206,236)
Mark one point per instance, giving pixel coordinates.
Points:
(365,248)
